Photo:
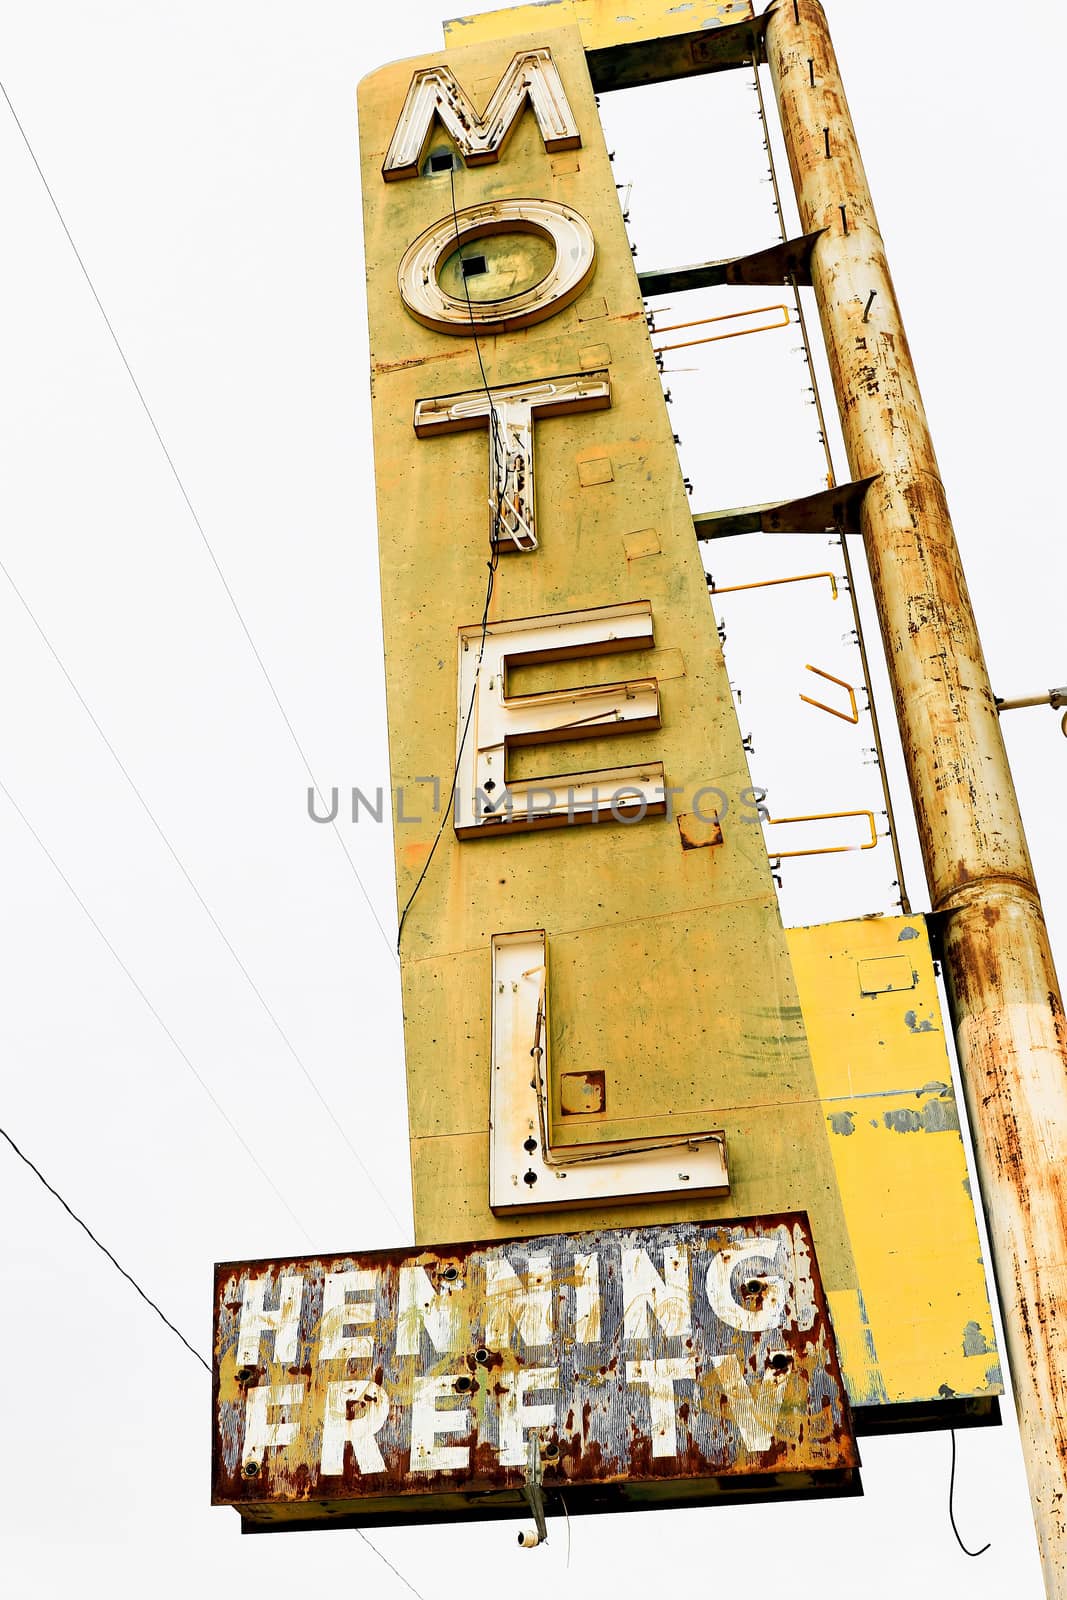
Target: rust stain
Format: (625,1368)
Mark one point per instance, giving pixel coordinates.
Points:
(755,1387)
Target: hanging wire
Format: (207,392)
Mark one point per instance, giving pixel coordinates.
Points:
(951,1494)
(498,444)
(831,479)
(84,1226)
(176,475)
(147,1298)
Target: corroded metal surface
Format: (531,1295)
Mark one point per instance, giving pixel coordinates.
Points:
(1002,985)
(666,1363)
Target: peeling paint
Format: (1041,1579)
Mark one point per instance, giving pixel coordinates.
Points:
(915,1026)
(907,933)
(936,1116)
(975,1342)
(842,1122)
(310,1410)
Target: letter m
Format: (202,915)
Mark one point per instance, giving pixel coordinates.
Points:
(435,95)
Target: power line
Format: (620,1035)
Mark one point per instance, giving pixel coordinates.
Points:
(246,1147)
(147,1298)
(389,1564)
(196,520)
(146,808)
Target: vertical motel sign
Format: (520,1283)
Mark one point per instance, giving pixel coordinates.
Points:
(699,1153)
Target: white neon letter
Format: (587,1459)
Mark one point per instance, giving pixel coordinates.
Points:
(283,1320)
(340,1313)
(755,1407)
(509,1302)
(427,1423)
(486,798)
(587,1299)
(574,258)
(774,1290)
(435,95)
(668,1297)
(660,1378)
(508,416)
(421,1306)
(370,1407)
(516,1416)
(261,1433)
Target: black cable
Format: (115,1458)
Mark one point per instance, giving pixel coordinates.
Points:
(179,863)
(116,1264)
(389,1564)
(497,440)
(147,1298)
(196,520)
(951,1513)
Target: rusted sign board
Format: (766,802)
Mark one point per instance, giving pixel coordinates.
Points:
(631,1367)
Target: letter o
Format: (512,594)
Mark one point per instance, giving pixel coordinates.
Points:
(564,228)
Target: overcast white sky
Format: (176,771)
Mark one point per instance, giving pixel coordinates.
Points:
(204,156)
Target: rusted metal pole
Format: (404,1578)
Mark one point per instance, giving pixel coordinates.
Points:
(1002,985)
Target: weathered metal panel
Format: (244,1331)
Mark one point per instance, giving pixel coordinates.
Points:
(603,23)
(657,1363)
(920,1330)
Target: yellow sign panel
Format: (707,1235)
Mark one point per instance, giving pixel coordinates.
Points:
(602,1020)
(602,22)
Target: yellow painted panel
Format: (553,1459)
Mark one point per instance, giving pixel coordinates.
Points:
(923,1325)
(602,22)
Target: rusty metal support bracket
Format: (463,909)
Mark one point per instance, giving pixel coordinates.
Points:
(715,338)
(827,849)
(835,510)
(1056,698)
(853,715)
(781,263)
(772,583)
(683,55)
(533,1495)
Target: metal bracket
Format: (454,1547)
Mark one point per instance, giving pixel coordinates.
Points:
(1056,698)
(834,510)
(828,849)
(772,583)
(716,338)
(680,55)
(534,1495)
(846,716)
(789,261)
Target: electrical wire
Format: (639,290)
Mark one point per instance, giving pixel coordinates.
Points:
(196,520)
(246,1147)
(147,1298)
(389,1564)
(179,863)
(951,1494)
(497,443)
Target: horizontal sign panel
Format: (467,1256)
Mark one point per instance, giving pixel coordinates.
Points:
(655,1365)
